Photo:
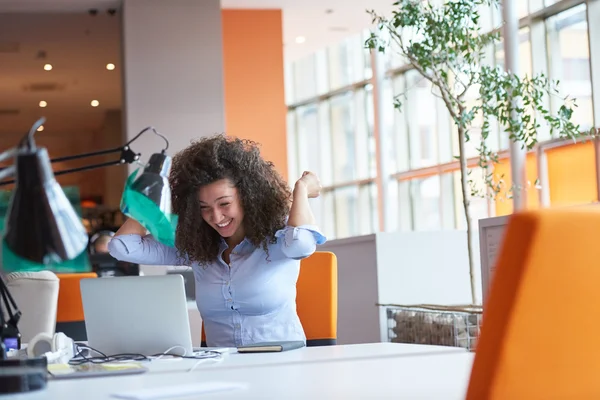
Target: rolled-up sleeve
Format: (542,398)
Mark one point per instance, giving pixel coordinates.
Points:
(142,250)
(299,242)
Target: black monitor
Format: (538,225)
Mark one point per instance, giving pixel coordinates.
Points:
(106,265)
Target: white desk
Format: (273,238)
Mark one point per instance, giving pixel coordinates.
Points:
(427,376)
(305,355)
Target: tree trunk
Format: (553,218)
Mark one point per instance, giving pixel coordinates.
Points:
(464,180)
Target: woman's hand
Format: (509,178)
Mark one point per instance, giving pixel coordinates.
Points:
(310,182)
(306,187)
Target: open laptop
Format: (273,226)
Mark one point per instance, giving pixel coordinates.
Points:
(137,314)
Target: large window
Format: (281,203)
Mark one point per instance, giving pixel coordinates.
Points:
(569,59)
(331,131)
(384,168)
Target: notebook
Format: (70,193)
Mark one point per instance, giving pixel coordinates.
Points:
(271,347)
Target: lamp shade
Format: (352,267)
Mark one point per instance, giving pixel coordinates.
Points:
(147,199)
(42,229)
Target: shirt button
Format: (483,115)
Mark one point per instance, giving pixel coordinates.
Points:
(230,300)
(237,325)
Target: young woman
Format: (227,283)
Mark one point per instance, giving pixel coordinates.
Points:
(242,231)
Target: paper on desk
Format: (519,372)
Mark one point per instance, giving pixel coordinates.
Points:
(169,392)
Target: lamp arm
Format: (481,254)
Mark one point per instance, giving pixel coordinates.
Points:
(155,132)
(6,172)
(8,154)
(88,167)
(85,155)
(127,157)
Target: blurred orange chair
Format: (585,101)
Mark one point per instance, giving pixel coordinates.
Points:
(69,316)
(539,338)
(316,299)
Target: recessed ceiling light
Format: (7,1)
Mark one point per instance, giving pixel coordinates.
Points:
(110,66)
(95,103)
(43,104)
(300,39)
(48,67)
(40,128)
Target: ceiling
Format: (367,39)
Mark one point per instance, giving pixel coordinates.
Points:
(321,22)
(65,31)
(79,73)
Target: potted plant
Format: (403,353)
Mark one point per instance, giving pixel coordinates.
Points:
(446,45)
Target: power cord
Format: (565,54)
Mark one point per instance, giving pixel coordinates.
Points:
(81,358)
(214,359)
(166,353)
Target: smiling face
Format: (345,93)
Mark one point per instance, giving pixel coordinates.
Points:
(221,208)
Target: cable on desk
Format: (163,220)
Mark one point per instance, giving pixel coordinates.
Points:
(215,359)
(169,349)
(81,358)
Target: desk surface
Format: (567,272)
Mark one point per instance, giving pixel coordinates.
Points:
(432,376)
(304,355)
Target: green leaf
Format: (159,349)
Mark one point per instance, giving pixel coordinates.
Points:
(565,112)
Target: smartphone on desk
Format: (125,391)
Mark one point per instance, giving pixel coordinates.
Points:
(271,347)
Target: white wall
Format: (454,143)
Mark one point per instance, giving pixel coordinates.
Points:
(357,289)
(425,267)
(173,71)
(398,268)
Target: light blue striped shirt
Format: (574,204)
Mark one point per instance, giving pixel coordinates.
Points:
(251,300)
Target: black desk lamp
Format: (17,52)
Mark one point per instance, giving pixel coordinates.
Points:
(44,232)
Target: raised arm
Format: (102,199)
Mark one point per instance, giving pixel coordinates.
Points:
(131,227)
(306,187)
(300,237)
(132,244)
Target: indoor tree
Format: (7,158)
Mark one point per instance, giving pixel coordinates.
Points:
(446,44)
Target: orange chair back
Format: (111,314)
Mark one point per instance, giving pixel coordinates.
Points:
(69,315)
(316,299)
(539,337)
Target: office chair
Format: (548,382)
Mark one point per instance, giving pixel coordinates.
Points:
(69,316)
(316,299)
(539,337)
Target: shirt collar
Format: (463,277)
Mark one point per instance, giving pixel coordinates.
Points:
(241,248)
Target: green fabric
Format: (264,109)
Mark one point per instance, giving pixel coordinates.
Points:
(4,200)
(11,263)
(135,205)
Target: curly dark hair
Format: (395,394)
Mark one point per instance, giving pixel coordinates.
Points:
(264,195)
